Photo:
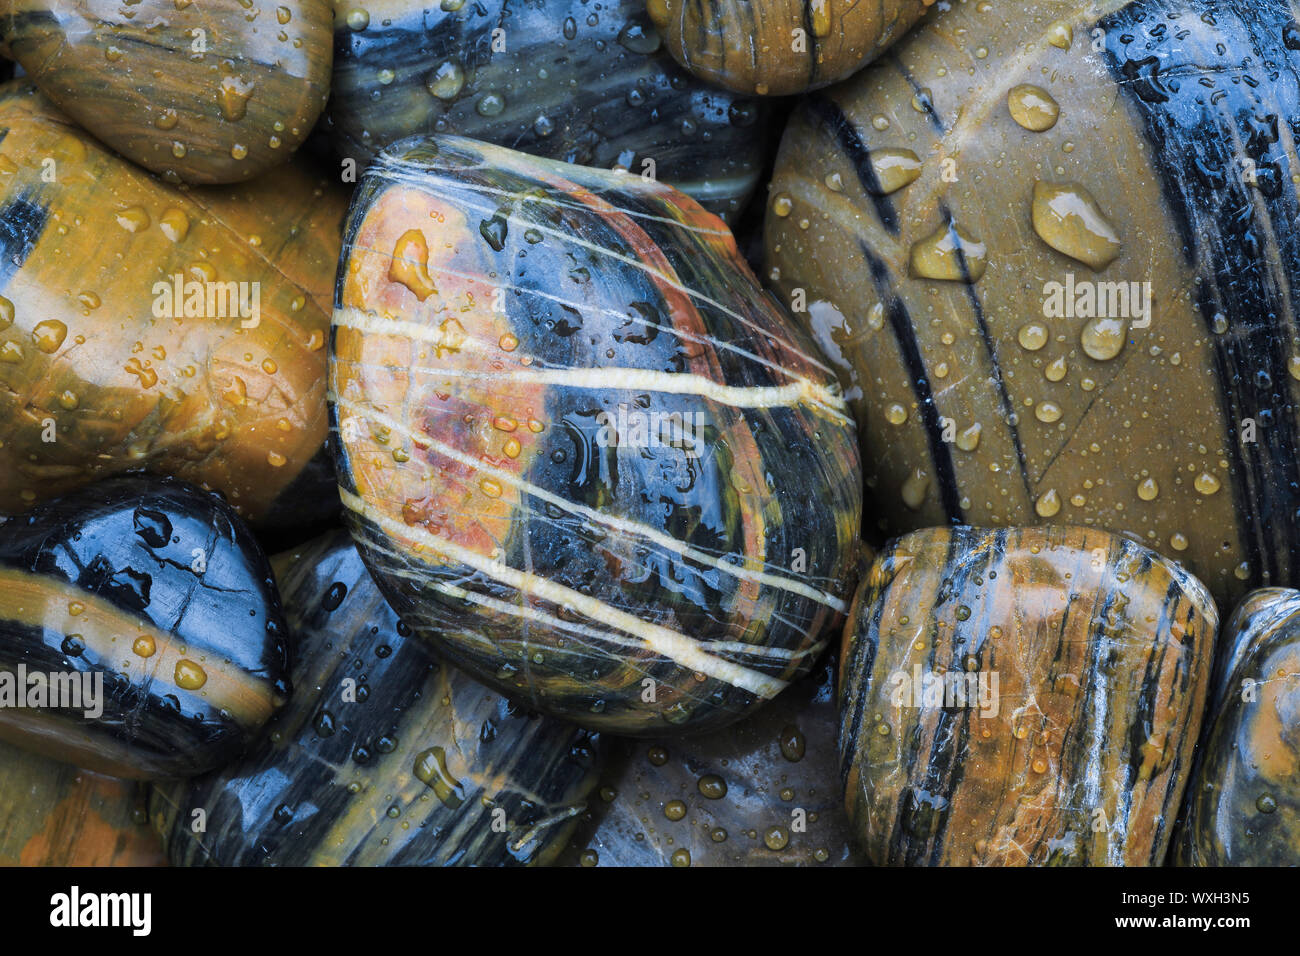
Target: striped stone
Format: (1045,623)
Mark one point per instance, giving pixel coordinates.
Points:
(1021,697)
(217,92)
(385,756)
(781,47)
(158,591)
(1243,804)
(585,456)
(561,80)
(101,369)
(1166,160)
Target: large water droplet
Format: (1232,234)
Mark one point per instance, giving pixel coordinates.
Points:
(949,254)
(1033,107)
(1069,220)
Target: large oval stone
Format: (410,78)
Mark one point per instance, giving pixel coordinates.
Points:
(1021,697)
(144,327)
(385,756)
(212,92)
(1243,805)
(1050,261)
(583,453)
(140,630)
(565,80)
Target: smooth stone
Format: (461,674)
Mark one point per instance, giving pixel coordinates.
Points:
(788,745)
(561,80)
(780,47)
(140,630)
(1021,697)
(1243,804)
(202,93)
(510,335)
(105,369)
(384,756)
(1156,259)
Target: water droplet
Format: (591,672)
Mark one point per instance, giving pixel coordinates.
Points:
(1069,220)
(895,414)
(915,488)
(494,231)
(446,80)
(969,439)
(490,104)
(1047,412)
(776,838)
(1103,338)
(6,313)
(949,254)
(1206,484)
(638,39)
(175,225)
(190,675)
(894,169)
(431,770)
(1178,541)
(1148,489)
(782,205)
(1033,107)
(233,96)
(1048,503)
(712,786)
(144,646)
(793,743)
(1060,34)
(1266,803)
(410,264)
(674,810)
(358,19)
(1055,370)
(1032,336)
(681,857)
(133,219)
(49,335)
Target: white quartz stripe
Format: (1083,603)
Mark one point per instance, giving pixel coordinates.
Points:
(633,528)
(633,379)
(671,644)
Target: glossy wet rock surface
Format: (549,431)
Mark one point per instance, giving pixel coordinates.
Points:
(765,792)
(1045,245)
(1021,697)
(569,80)
(145,617)
(780,47)
(212,92)
(1243,804)
(385,756)
(511,337)
(104,368)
